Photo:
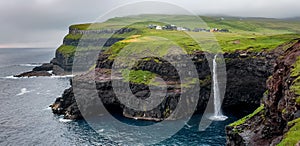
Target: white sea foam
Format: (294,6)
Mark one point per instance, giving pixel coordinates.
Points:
(218,118)
(15,78)
(53,76)
(9,77)
(188,126)
(64,120)
(31,64)
(66,76)
(23,91)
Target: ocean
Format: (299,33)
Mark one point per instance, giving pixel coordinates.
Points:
(26,119)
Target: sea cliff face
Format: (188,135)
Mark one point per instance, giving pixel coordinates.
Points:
(64,56)
(273,122)
(246,71)
(83,41)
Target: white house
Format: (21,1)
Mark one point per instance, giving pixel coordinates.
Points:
(158,27)
(181,29)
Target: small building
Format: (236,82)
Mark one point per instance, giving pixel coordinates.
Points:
(158,27)
(182,29)
(151,26)
(214,30)
(170,27)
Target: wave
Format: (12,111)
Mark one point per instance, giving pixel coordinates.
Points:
(9,77)
(187,125)
(31,64)
(23,91)
(15,78)
(53,76)
(22,65)
(65,76)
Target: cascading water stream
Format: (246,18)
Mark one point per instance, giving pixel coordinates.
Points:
(217,116)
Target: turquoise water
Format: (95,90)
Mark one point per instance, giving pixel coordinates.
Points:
(25,118)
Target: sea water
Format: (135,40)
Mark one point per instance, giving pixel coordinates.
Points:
(26,119)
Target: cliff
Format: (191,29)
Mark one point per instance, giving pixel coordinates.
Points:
(83,41)
(246,74)
(276,121)
(249,58)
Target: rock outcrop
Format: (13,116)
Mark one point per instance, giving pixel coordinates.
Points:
(34,74)
(42,70)
(268,125)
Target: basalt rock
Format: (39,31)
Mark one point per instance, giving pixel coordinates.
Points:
(268,126)
(33,74)
(245,87)
(44,67)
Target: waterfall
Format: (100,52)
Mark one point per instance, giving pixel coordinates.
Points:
(217,116)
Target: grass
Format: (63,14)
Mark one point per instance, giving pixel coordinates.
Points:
(67,51)
(137,76)
(254,43)
(292,137)
(244,25)
(296,83)
(243,120)
(73,36)
(296,68)
(298,100)
(246,29)
(148,78)
(252,34)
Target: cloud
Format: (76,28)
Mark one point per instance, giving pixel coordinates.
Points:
(45,22)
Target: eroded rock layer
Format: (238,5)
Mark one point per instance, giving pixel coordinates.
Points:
(246,71)
(269,123)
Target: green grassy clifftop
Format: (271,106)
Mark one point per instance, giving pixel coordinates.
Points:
(253,34)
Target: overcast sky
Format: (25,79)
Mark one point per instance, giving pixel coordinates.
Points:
(44,23)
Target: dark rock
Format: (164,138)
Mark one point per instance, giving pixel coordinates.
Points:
(268,127)
(57,70)
(33,74)
(245,86)
(44,67)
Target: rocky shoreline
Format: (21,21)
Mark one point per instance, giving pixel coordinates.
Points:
(47,69)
